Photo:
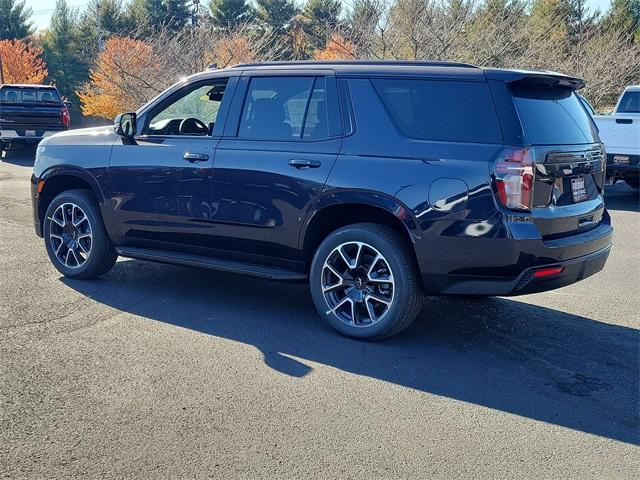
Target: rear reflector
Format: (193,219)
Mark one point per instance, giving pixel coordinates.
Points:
(546,272)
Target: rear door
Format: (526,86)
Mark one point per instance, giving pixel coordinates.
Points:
(281,141)
(569,165)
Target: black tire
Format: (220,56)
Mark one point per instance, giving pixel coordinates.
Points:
(633,180)
(406,297)
(101,253)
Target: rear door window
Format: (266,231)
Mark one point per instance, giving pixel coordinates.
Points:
(274,108)
(552,115)
(448,111)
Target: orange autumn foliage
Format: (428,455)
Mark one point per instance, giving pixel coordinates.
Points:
(232,49)
(121,79)
(337,48)
(21,62)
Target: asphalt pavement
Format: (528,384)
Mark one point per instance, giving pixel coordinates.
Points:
(157,371)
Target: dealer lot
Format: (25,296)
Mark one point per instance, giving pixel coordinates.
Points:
(159,371)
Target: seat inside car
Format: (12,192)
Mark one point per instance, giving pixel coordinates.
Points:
(269,114)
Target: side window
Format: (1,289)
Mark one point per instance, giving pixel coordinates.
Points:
(316,124)
(193,112)
(446,111)
(274,108)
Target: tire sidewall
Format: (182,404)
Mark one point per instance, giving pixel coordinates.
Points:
(87,205)
(401,294)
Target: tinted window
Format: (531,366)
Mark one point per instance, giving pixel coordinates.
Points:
(630,103)
(29,95)
(552,116)
(440,110)
(274,108)
(316,124)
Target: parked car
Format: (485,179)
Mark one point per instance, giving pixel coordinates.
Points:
(28,113)
(620,133)
(376,182)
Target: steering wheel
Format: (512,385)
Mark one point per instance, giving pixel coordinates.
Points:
(193,126)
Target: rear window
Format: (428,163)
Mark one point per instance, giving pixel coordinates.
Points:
(552,115)
(440,110)
(29,95)
(630,103)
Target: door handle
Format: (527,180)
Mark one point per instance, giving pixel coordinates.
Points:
(299,163)
(195,157)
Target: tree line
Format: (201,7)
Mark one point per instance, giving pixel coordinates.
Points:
(114,55)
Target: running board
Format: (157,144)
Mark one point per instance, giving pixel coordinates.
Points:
(190,260)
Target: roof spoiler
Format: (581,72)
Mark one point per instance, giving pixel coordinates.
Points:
(539,77)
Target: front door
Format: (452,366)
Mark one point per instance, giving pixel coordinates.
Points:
(273,168)
(160,183)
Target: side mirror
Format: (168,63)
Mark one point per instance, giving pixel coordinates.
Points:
(125,125)
(68,104)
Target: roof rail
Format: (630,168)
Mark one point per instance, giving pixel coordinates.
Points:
(417,63)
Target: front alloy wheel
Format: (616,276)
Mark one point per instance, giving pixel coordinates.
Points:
(70,235)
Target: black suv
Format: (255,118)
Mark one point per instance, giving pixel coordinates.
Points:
(377,182)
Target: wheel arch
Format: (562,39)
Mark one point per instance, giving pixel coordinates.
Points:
(57,180)
(336,210)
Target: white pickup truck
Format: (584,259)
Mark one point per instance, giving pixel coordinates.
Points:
(620,133)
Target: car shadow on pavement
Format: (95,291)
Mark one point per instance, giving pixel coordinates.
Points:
(504,354)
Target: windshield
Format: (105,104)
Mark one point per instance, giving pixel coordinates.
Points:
(630,103)
(29,95)
(553,116)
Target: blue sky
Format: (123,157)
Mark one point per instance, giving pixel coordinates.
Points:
(42,9)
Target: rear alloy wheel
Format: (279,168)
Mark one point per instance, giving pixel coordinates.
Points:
(357,284)
(75,238)
(364,282)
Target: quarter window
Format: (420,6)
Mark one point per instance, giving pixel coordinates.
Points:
(445,111)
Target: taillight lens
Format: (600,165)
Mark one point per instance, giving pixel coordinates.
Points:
(513,178)
(65,117)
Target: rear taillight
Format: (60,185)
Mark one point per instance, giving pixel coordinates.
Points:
(513,178)
(65,117)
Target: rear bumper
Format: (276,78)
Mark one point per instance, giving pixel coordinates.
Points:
(506,266)
(617,169)
(12,137)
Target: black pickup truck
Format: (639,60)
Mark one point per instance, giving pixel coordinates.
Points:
(28,113)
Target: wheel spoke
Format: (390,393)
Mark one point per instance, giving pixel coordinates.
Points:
(373,264)
(84,250)
(57,237)
(57,222)
(334,271)
(356,262)
(75,257)
(354,312)
(346,259)
(371,312)
(341,303)
(84,235)
(377,298)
